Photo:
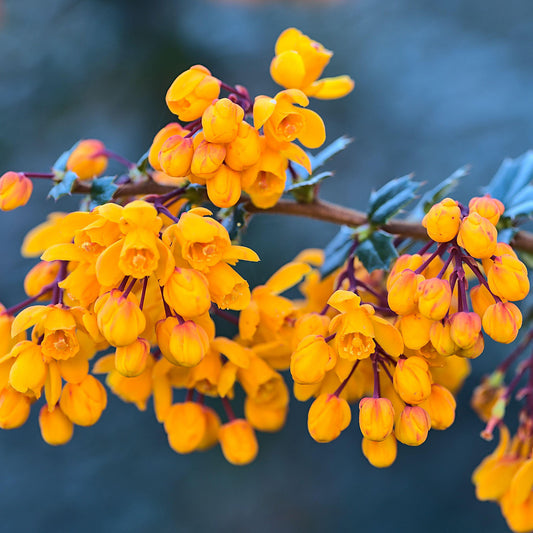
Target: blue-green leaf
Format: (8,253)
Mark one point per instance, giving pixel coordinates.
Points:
(61,163)
(102,190)
(506,235)
(304,191)
(337,251)
(338,145)
(511,178)
(389,199)
(377,251)
(64,186)
(438,193)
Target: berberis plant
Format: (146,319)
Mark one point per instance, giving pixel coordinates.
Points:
(389,316)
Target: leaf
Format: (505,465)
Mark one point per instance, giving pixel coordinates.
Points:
(523,209)
(143,161)
(337,251)
(506,235)
(303,191)
(102,190)
(389,199)
(338,145)
(511,178)
(377,251)
(61,163)
(438,193)
(64,186)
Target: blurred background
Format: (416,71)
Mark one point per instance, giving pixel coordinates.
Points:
(438,85)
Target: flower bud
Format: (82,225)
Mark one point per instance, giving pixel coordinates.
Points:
(245,150)
(487,207)
(442,220)
(310,324)
(312,359)
(228,289)
(56,428)
(477,236)
(15,190)
(84,402)
(440,407)
(221,121)
(434,298)
(415,330)
(188,344)
(88,159)
(207,159)
(186,291)
(486,394)
(441,339)
(42,274)
(185,425)
(465,328)
(162,135)
(264,416)
(327,417)
(212,427)
(413,426)
(380,454)
(403,294)
(28,372)
(508,278)
(224,188)
(404,262)
(238,442)
(163,331)
(131,360)
(376,418)
(481,298)
(192,92)
(412,380)
(502,321)
(473,351)
(14,408)
(176,155)
(119,319)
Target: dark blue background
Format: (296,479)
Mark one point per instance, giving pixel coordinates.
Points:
(438,85)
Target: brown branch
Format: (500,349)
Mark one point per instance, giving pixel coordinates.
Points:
(129,189)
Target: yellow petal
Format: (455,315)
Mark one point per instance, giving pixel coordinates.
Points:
(286,277)
(522,483)
(162,398)
(239,253)
(330,88)
(249,320)
(237,354)
(227,378)
(387,336)
(295,153)
(166,263)
(344,301)
(293,96)
(263,108)
(107,271)
(313,134)
(105,364)
(27,318)
(63,252)
(288,69)
(52,385)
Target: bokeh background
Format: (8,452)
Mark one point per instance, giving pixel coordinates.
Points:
(438,85)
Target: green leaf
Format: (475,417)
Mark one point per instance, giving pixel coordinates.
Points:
(377,251)
(439,192)
(304,191)
(389,199)
(511,178)
(102,190)
(64,186)
(61,163)
(337,251)
(143,161)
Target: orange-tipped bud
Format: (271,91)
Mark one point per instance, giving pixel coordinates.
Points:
(327,417)
(442,220)
(481,299)
(312,359)
(84,402)
(42,274)
(508,278)
(502,321)
(192,92)
(188,344)
(465,328)
(412,380)
(119,319)
(440,407)
(14,408)
(477,236)
(224,188)
(87,159)
(434,298)
(441,339)
(487,207)
(380,454)
(413,426)
(163,331)
(228,289)
(376,418)
(207,159)
(162,135)
(403,294)
(176,155)
(56,428)
(15,190)
(245,150)
(131,360)
(310,324)
(185,425)
(404,262)
(186,291)
(221,121)
(28,372)
(264,416)
(238,442)
(473,351)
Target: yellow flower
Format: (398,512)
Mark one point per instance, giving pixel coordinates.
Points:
(238,442)
(413,426)
(487,207)
(87,159)
(207,159)
(312,359)
(162,135)
(412,380)
(380,454)
(245,150)
(15,190)
(443,220)
(56,428)
(84,402)
(502,321)
(327,417)
(185,425)
(298,64)
(477,236)
(508,278)
(221,121)
(440,406)
(176,155)
(517,502)
(130,360)
(376,418)
(28,372)
(14,408)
